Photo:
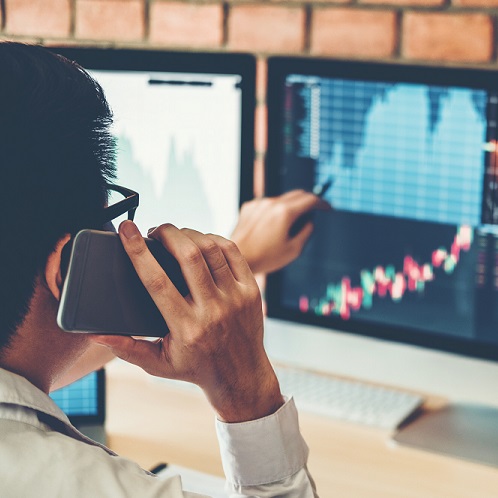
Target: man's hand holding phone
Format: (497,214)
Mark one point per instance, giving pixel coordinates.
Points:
(216,332)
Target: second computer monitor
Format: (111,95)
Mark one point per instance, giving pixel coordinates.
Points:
(406,155)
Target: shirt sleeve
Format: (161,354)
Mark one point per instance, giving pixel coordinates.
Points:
(263,458)
(266,457)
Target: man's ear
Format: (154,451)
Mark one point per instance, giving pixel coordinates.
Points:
(53,273)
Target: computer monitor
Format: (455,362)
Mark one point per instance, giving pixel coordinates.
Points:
(184,128)
(408,158)
(184,124)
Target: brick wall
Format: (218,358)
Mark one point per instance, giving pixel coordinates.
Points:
(435,31)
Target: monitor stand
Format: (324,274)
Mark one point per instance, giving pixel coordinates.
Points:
(461,430)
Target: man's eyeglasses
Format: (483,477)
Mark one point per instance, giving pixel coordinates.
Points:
(127,205)
(115,209)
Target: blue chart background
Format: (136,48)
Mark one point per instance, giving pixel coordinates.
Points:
(80,398)
(406,150)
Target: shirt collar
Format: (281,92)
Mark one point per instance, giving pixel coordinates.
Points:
(17,390)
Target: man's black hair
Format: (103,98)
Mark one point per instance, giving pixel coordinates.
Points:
(56,157)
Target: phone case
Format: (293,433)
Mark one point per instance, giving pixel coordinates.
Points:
(102,292)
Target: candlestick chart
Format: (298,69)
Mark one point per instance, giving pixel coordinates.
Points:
(388,282)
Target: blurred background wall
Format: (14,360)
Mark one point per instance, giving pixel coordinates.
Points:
(433,31)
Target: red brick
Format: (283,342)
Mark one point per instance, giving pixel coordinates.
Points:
(404,3)
(261,79)
(475,3)
(38,18)
(353,32)
(188,25)
(119,20)
(260,137)
(447,37)
(318,2)
(266,28)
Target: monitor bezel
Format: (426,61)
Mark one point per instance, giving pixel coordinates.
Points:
(278,69)
(243,64)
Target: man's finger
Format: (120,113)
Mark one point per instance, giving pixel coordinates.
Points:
(237,263)
(215,259)
(142,353)
(170,302)
(194,267)
(302,236)
(306,202)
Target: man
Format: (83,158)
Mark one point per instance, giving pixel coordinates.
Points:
(56,159)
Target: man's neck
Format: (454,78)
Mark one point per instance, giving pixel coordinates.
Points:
(40,351)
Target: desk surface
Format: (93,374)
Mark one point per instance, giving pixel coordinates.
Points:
(150,421)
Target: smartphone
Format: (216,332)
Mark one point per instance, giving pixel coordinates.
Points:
(102,293)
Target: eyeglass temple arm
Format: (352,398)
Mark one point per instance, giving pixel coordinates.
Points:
(129,204)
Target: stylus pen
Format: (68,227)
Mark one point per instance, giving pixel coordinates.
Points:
(319,191)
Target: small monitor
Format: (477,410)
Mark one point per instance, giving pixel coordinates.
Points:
(407,157)
(84,400)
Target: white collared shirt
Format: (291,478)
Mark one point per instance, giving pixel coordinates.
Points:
(43,455)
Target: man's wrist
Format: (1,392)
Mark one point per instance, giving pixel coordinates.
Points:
(238,413)
(259,400)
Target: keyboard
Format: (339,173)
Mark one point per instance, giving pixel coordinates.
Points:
(347,400)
